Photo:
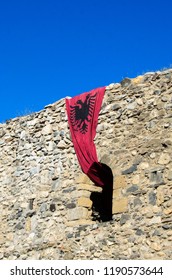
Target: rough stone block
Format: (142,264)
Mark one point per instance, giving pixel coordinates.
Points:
(120,206)
(152,198)
(44,194)
(77,214)
(155,220)
(47,129)
(136,180)
(83,193)
(83,179)
(155,246)
(61,144)
(84,202)
(10,236)
(28,224)
(170,175)
(155,176)
(79,222)
(124,219)
(160,197)
(133,189)
(130,170)
(137,80)
(164,158)
(116,193)
(119,182)
(168,211)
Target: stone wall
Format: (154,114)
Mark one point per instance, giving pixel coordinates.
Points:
(46,207)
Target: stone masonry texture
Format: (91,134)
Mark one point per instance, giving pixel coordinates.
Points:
(46,210)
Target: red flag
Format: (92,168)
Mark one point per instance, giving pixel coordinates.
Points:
(83,111)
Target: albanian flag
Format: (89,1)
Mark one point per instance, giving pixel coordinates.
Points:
(83,111)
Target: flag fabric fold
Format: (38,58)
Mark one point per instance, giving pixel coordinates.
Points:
(83,111)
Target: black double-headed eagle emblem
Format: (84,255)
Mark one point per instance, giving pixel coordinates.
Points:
(82,112)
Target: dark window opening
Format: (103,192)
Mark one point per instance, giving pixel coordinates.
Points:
(102,202)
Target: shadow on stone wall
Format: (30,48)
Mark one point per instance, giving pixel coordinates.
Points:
(102,202)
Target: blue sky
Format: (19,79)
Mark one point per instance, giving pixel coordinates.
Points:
(50,49)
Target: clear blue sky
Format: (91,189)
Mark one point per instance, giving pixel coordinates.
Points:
(50,49)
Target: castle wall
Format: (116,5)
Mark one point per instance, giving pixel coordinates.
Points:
(45,200)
